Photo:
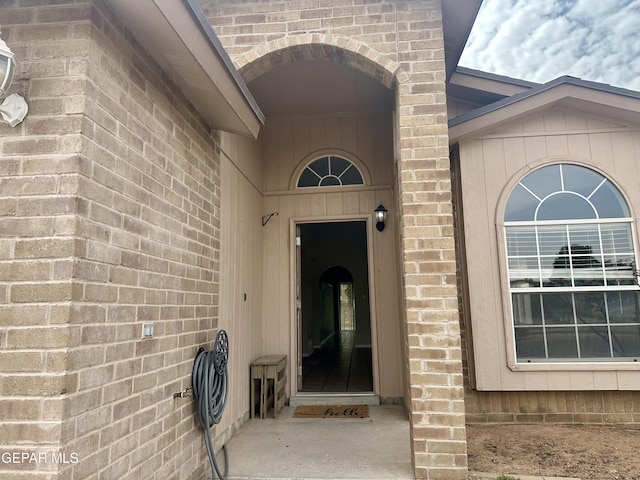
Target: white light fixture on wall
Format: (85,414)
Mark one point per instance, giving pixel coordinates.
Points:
(14,108)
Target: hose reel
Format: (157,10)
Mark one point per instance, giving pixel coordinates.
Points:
(210,381)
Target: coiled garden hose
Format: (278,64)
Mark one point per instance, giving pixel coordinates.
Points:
(210,381)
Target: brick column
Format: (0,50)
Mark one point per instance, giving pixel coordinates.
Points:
(38,186)
(435,382)
(109,218)
(386,38)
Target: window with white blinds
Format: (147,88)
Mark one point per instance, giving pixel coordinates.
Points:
(571,268)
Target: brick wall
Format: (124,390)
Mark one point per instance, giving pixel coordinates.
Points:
(400,44)
(38,201)
(109,199)
(598,407)
(429,269)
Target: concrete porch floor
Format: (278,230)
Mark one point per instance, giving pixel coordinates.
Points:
(287,448)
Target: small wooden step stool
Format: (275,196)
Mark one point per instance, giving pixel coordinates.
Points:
(269,370)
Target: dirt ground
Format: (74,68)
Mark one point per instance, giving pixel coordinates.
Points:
(593,453)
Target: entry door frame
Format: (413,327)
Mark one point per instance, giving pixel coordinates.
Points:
(294,349)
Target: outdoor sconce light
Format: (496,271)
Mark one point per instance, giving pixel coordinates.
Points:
(14,108)
(381,217)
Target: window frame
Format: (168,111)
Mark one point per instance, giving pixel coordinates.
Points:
(332,152)
(550,364)
(330,175)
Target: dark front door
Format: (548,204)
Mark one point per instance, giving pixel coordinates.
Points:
(334,334)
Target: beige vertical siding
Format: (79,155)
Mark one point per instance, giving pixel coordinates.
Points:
(457,107)
(289,143)
(490,167)
(240,267)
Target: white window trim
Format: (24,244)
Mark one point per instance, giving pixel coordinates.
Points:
(509,327)
(331,152)
(331,174)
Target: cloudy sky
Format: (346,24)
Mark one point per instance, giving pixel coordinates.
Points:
(539,40)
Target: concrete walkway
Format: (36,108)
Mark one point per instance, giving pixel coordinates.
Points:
(374,448)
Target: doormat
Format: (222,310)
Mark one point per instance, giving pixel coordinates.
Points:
(331,411)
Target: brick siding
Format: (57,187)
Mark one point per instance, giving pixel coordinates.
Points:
(401,45)
(109,217)
(598,407)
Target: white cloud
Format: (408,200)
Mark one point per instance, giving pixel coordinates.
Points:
(596,40)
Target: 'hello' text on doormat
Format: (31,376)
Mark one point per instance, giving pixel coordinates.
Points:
(331,411)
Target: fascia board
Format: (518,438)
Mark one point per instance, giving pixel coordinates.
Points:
(612,102)
(485,82)
(458,17)
(175,37)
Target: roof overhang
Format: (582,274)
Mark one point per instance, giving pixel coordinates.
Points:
(603,101)
(178,36)
(479,82)
(458,17)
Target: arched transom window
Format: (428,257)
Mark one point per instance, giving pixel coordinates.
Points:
(330,171)
(571,265)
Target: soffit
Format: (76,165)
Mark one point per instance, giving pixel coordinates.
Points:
(481,88)
(177,35)
(471,95)
(602,101)
(490,82)
(458,17)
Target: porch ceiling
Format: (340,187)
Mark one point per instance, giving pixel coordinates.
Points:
(180,39)
(335,88)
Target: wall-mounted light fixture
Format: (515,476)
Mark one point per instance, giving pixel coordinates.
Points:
(14,108)
(381,217)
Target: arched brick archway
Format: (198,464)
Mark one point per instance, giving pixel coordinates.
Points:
(431,334)
(345,51)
